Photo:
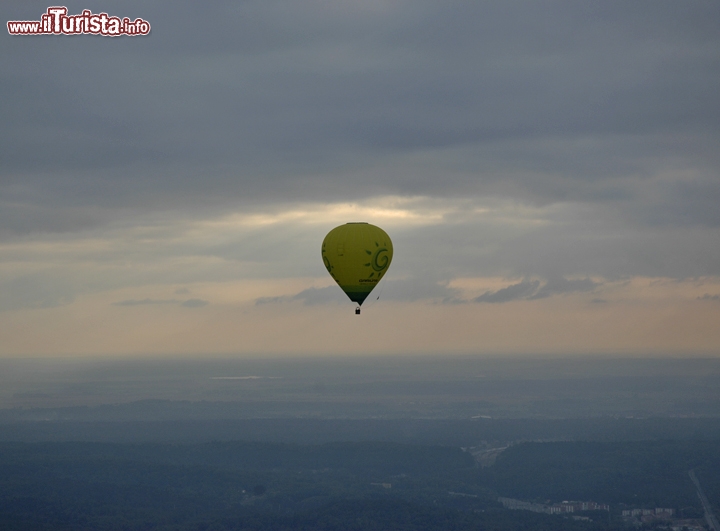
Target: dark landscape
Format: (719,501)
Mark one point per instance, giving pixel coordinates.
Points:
(392,443)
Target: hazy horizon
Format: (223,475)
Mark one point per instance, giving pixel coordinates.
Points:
(450,387)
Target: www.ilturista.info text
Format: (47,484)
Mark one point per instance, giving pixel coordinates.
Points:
(57,22)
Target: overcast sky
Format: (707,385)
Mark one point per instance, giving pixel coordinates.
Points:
(549,173)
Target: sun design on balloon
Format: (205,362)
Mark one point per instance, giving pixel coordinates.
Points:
(378,261)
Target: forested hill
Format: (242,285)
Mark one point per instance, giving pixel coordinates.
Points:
(254,486)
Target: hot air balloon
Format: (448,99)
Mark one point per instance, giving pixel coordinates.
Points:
(357,255)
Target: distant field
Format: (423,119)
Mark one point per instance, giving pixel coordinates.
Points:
(400,387)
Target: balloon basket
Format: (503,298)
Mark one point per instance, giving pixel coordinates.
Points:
(357,310)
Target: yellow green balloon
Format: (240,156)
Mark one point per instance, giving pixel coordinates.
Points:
(357,255)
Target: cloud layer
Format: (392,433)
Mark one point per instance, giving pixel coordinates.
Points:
(555,150)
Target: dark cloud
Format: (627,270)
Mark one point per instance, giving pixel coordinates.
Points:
(708,297)
(414,289)
(521,290)
(532,290)
(560,285)
(310,296)
(568,241)
(406,290)
(273,98)
(143,302)
(611,107)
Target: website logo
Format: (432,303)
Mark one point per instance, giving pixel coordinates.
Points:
(56,21)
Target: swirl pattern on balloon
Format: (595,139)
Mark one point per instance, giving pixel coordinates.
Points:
(380,262)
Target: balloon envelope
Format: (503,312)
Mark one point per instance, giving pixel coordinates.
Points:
(357,255)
